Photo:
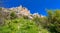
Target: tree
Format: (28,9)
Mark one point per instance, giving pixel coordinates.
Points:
(54,21)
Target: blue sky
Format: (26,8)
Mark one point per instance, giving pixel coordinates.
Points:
(33,5)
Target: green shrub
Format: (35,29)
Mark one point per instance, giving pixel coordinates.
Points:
(19,26)
(13,15)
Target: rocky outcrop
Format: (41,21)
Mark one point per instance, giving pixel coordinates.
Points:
(20,11)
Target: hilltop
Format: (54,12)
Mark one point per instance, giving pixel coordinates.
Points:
(19,11)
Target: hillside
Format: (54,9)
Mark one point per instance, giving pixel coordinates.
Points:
(20,20)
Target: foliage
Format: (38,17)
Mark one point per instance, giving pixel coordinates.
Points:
(19,26)
(13,15)
(48,24)
(54,21)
